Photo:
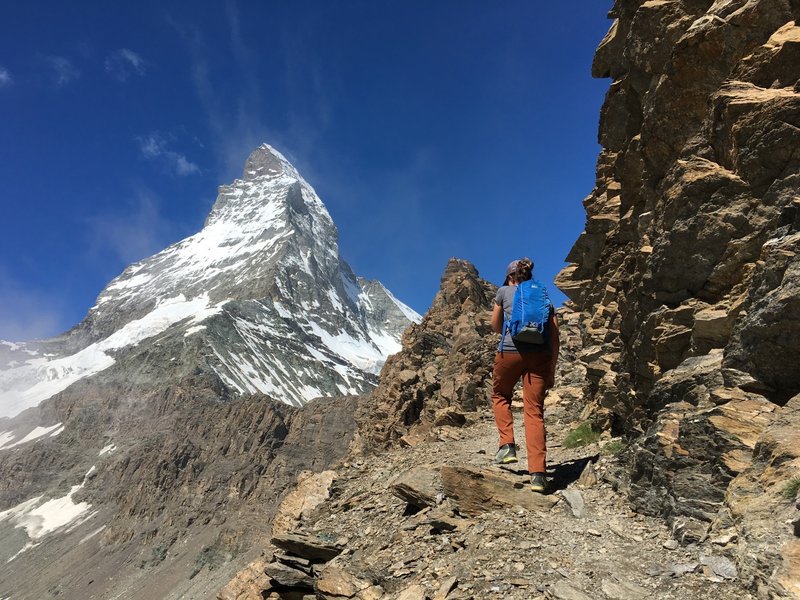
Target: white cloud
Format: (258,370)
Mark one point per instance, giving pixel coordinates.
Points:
(63,70)
(183,166)
(236,129)
(5,77)
(124,63)
(154,147)
(137,233)
(25,313)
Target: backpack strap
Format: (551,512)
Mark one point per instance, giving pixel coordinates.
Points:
(506,327)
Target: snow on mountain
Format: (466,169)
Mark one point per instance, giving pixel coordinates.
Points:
(40,517)
(260,295)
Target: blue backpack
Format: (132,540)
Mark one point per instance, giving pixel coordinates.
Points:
(530,314)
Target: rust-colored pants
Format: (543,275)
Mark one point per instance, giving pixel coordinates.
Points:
(534,368)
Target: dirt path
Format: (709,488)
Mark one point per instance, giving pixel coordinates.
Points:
(602,551)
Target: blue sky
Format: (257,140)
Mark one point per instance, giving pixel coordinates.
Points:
(430,129)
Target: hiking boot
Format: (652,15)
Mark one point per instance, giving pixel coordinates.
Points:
(506,454)
(538,483)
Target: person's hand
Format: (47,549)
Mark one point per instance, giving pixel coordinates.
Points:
(550,380)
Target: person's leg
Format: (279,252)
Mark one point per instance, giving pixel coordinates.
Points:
(507,370)
(533,392)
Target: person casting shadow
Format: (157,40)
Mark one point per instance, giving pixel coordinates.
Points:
(535,364)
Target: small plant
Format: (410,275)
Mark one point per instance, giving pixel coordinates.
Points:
(209,557)
(791,488)
(582,435)
(613,447)
(157,555)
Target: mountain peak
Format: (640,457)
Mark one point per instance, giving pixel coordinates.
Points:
(260,291)
(266,161)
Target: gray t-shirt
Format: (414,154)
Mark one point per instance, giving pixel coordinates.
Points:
(504,298)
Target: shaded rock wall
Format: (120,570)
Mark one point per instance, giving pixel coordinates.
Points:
(686,275)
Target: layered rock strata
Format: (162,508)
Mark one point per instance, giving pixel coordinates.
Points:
(686,275)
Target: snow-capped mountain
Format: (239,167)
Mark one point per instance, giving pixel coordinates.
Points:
(259,296)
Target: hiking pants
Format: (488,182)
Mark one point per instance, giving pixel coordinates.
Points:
(533,367)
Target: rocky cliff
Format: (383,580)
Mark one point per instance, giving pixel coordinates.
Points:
(686,275)
(150,501)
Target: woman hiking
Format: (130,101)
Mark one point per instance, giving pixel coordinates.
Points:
(536,365)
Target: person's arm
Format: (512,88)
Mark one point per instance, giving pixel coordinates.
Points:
(497,318)
(555,344)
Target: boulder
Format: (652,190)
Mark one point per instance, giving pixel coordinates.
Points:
(419,486)
(287,576)
(306,546)
(476,491)
(248,584)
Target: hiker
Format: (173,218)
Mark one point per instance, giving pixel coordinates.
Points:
(535,363)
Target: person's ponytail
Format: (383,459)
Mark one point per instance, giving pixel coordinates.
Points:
(524,270)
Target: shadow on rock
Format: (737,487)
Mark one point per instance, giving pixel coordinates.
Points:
(565,473)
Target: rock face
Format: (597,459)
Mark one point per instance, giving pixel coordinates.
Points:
(190,486)
(759,499)
(686,275)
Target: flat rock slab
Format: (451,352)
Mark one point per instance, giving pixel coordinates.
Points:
(624,590)
(477,491)
(721,566)
(575,500)
(418,486)
(306,546)
(564,591)
(250,582)
(413,592)
(289,577)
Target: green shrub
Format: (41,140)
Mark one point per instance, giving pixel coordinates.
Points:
(791,488)
(157,555)
(613,447)
(582,435)
(209,557)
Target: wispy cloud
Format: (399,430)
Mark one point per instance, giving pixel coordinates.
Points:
(132,234)
(26,313)
(236,127)
(5,77)
(154,147)
(124,63)
(63,70)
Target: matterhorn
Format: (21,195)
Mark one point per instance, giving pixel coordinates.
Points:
(259,297)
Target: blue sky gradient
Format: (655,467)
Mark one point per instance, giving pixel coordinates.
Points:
(429,129)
